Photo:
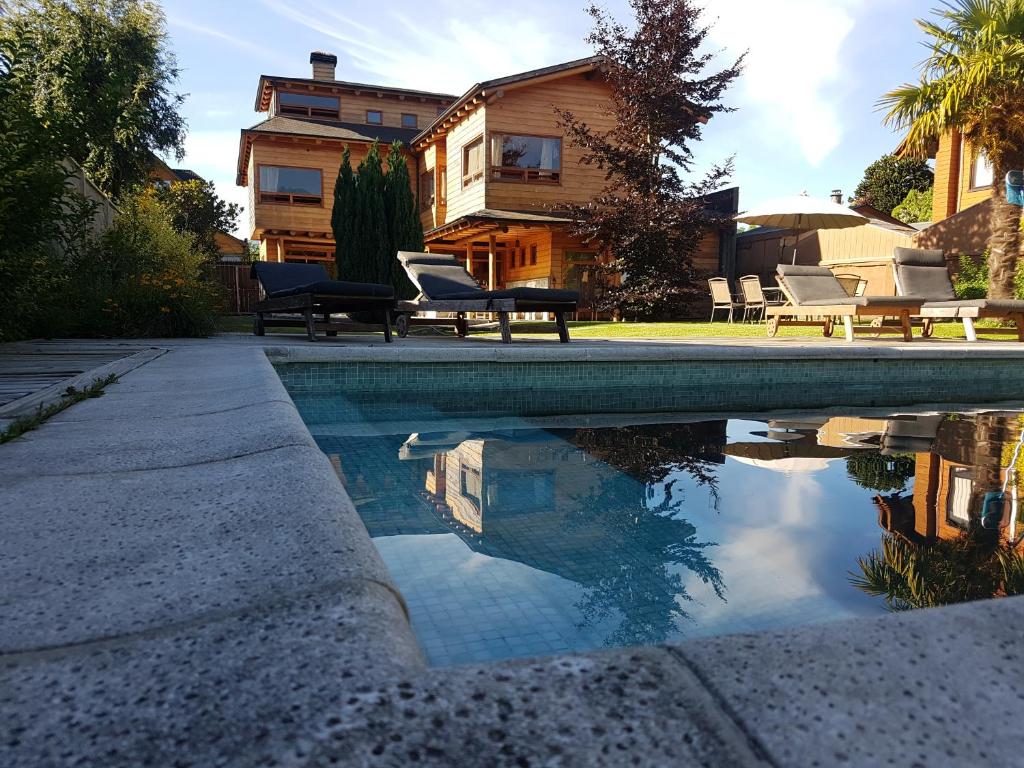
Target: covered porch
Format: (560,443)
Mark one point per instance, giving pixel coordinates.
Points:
(510,249)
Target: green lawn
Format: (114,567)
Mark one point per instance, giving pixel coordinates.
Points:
(609,330)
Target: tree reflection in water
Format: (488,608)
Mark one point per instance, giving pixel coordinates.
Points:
(648,546)
(972,566)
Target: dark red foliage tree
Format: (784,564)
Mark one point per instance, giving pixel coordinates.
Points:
(649,217)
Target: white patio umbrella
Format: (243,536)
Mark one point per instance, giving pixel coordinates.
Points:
(803,214)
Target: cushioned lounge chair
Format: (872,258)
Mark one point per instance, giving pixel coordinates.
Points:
(446,286)
(306,289)
(814,292)
(923,273)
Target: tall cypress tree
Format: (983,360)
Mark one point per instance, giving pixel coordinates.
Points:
(405,230)
(374,241)
(342,218)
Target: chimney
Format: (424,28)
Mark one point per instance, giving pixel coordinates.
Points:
(837,196)
(324,65)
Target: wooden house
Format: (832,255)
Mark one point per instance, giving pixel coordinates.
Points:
(491,169)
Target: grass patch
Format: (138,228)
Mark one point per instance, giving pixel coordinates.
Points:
(71,395)
(604,329)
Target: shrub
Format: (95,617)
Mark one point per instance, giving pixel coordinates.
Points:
(142,278)
(971,279)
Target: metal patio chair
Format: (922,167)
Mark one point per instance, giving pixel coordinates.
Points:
(721,298)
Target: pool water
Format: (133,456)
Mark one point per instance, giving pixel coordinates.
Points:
(517,537)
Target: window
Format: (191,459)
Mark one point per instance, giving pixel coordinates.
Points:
(982,174)
(292,186)
(426,190)
(526,158)
(409,121)
(473,161)
(307,105)
(307,253)
(533,255)
(374,117)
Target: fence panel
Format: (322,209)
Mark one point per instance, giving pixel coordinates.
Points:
(241,291)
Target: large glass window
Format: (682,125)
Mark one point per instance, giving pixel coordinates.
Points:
(294,186)
(307,105)
(982,174)
(473,161)
(409,121)
(426,190)
(374,117)
(526,158)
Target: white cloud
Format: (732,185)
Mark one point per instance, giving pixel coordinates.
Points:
(213,154)
(262,51)
(447,56)
(794,69)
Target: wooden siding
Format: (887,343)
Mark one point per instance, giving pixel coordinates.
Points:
(947,177)
(953,193)
(301,153)
(530,111)
(968,196)
(354,107)
(463,201)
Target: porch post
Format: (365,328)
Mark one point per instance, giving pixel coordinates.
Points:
(469,257)
(490,262)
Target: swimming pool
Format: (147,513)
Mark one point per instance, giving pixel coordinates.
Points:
(523,535)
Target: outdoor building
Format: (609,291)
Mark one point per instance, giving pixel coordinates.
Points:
(491,169)
(960,209)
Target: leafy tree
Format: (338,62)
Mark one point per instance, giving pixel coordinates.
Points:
(197,210)
(973,81)
(916,206)
(888,181)
(872,470)
(97,74)
(405,230)
(649,218)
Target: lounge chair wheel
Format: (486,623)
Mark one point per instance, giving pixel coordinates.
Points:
(827,327)
(402,325)
(257,326)
(773,326)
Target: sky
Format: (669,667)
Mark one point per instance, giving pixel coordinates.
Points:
(806,117)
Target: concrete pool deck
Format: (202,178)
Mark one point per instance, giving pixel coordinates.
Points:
(187,583)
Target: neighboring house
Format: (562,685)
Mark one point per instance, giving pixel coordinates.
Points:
(491,170)
(963,191)
(229,248)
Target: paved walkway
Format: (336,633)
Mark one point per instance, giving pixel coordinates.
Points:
(186,583)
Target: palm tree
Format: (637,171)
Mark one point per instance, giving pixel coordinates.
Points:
(973,81)
(940,572)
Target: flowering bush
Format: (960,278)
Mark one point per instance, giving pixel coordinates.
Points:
(142,278)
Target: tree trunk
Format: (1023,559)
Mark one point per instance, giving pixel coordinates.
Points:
(1005,241)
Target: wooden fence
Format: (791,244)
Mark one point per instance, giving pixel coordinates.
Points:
(241,291)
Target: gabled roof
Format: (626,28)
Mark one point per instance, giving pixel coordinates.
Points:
(468,101)
(316,129)
(184,174)
(267,83)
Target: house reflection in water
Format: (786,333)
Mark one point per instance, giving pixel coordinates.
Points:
(535,497)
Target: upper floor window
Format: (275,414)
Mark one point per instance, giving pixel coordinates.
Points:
(526,158)
(426,190)
(294,186)
(307,105)
(473,161)
(409,121)
(374,117)
(982,174)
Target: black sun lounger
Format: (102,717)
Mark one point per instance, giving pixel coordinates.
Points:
(922,273)
(446,286)
(815,292)
(306,289)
